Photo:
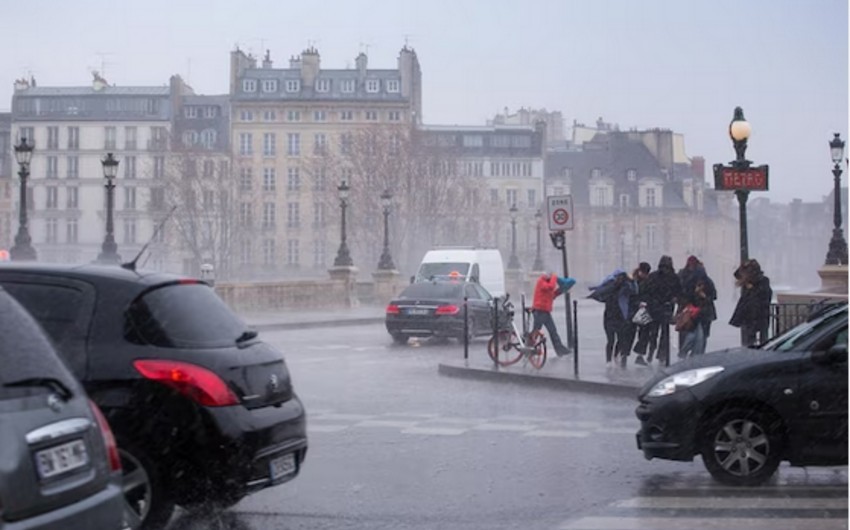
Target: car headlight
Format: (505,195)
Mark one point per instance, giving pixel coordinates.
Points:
(685,379)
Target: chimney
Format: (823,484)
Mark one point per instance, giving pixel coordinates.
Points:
(239,62)
(310,61)
(360,63)
(698,168)
(267,60)
(295,62)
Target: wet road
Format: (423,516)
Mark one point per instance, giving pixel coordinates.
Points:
(395,446)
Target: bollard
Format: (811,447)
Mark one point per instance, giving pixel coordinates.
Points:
(664,340)
(465,328)
(575,337)
(496,331)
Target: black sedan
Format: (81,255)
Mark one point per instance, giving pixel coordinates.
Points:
(435,309)
(745,410)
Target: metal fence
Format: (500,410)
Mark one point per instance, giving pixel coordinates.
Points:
(785,316)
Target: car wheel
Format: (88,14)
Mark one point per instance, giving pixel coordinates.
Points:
(742,447)
(398,338)
(146,503)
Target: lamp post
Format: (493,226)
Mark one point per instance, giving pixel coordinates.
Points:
(386,261)
(538,261)
(837,254)
(513,262)
(23,250)
(343,256)
(109,249)
(739,131)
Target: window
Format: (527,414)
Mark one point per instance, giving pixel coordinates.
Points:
(320,115)
(269,141)
(601,236)
(567,172)
(595,173)
(510,197)
(246,115)
(245,144)
(268,252)
(346,115)
(292,257)
(500,140)
(394,115)
(249,85)
(52,226)
(651,237)
(269,85)
(345,143)
(293,85)
(293,115)
(246,178)
(650,198)
(245,214)
(130,138)
(373,85)
(268,179)
(52,167)
(318,215)
(631,175)
(473,140)
(159,138)
(269,115)
(320,179)
(71,231)
(158,167)
(348,86)
(624,200)
(73,137)
(157,198)
(190,138)
(129,164)
(73,194)
(268,216)
(73,169)
(293,179)
(209,168)
(323,85)
(245,256)
(52,197)
(319,253)
(532,198)
(52,138)
(520,141)
(210,112)
(129,198)
(208,138)
(371,115)
(494,197)
(293,144)
(293,215)
(129,230)
(320,143)
(600,196)
(190,112)
(393,85)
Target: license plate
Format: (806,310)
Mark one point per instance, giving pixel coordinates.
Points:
(62,458)
(282,466)
(418,311)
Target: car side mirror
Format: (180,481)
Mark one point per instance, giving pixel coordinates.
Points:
(835,354)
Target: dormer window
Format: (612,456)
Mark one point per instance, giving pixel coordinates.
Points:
(293,85)
(372,85)
(191,112)
(393,86)
(323,85)
(269,85)
(631,175)
(601,195)
(595,173)
(249,85)
(567,172)
(347,86)
(624,200)
(650,198)
(210,112)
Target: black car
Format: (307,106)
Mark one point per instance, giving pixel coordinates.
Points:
(60,464)
(203,411)
(435,309)
(745,410)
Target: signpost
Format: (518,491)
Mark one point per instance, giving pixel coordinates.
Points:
(560,215)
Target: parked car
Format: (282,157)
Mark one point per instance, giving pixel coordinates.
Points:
(747,409)
(204,412)
(435,309)
(60,465)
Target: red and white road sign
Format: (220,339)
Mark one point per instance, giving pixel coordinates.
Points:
(560,208)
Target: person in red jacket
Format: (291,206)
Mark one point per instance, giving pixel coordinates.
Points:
(545,291)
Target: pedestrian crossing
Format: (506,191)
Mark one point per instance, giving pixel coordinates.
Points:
(794,499)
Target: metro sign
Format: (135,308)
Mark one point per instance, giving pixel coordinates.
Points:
(731,178)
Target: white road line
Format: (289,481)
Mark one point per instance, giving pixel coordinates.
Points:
(617,430)
(435,431)
(503,427)
(387,423)
(557,434)
(708,523)
(733,503)
(326,428)
(342,417)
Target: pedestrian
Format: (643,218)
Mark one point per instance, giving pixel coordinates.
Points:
(615,292)
(752,313)
(662,290)
(640,275)
(545,291)
(690,276)
(691,318)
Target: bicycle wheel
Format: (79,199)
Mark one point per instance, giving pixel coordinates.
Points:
(507,353)
(538,357)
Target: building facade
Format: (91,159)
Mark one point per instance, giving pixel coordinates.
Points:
(554,121)
(8,168)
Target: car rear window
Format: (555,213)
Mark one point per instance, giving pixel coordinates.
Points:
(183,315)
(433,290)
(436,271)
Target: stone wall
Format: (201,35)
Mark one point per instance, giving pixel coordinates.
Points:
(286,295)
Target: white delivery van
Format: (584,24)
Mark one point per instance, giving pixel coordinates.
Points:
(482,265)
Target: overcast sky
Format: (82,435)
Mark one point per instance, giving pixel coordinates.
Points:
(675,64)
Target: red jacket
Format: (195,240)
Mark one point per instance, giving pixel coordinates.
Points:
(544,292)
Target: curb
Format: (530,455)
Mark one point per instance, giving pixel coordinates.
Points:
(561,383)
(317,324)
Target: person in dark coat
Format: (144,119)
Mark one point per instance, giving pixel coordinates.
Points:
(752,313)
(698,300)
(614,292)
(640,275)
(662,290)
(690,276)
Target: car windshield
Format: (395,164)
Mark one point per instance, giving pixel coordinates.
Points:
(438,271)
(433,290)
(789,340)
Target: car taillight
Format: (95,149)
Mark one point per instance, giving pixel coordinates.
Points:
(108,438)
(447,310)
(393,309)
(198,384)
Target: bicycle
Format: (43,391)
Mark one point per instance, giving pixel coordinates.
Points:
(515,345)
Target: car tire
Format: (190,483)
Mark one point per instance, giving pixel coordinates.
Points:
(742,447)
(398,338)
(147,505)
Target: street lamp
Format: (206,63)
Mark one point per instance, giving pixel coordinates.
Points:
(386,261)
(538,261)
(109,249)
(343,256)
(837,254)
(22,250)
(739,131)
(513,262)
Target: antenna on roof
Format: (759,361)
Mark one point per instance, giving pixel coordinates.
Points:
(131,265)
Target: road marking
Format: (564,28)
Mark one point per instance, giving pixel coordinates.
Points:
(719,523)
(326,428)
(731,503)
(343,417)
(558,434)
(387,423)
(617,430)
(434,431)
(503,427)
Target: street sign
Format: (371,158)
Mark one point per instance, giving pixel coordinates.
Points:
(730,178)
(560,212)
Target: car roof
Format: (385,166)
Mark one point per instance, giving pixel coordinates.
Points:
(92,273)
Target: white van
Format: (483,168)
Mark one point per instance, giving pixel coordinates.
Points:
(483,265)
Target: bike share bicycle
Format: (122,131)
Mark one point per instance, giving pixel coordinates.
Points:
(514,345)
